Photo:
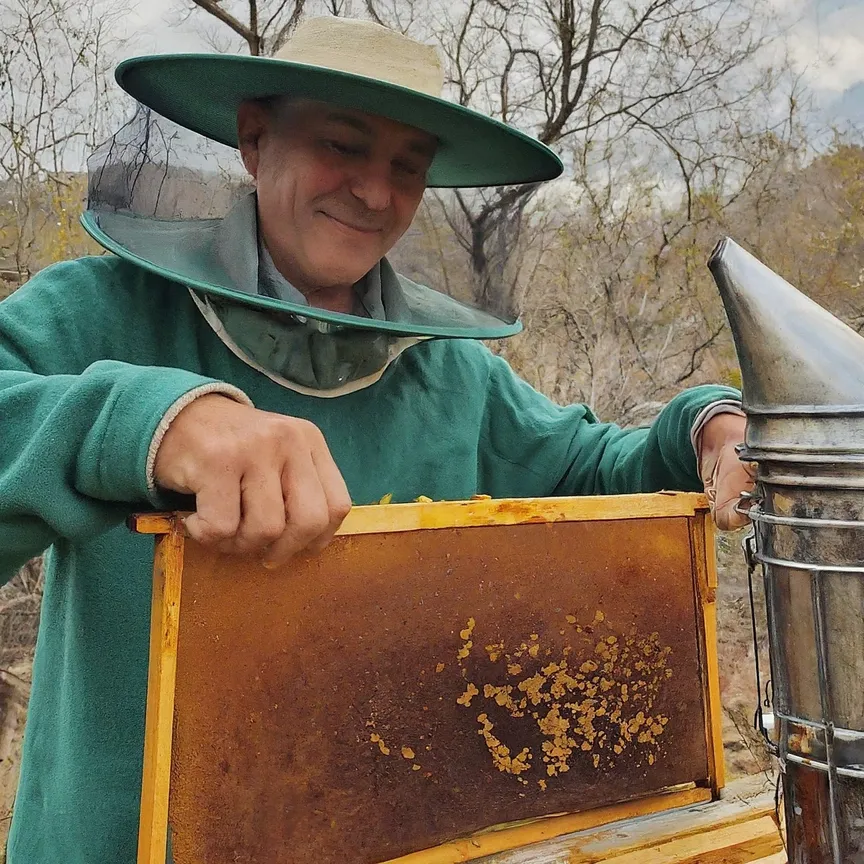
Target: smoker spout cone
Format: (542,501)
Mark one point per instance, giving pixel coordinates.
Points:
(802,369)
(803,379)
(792,351)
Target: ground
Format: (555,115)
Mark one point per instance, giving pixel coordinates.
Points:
(744,750)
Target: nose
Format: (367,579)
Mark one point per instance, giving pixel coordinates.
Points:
(372,184)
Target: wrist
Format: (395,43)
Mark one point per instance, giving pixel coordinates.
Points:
(214,389)
(723,428)
(708,413)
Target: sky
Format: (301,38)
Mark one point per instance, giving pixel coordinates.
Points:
(825,43)
(827,47)
(153,27)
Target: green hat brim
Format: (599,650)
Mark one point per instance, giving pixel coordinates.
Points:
(203,92)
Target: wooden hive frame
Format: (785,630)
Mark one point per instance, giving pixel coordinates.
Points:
(741,827)
(165,625)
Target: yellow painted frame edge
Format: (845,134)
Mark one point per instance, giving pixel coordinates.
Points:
(161,680)
(504,839)
(379,519)
(705,575)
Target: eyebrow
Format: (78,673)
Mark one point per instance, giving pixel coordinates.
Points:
(415,146)
(348,120)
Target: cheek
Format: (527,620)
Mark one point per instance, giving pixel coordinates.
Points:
(285,179)
(275,193)
(317,181)
(405,206)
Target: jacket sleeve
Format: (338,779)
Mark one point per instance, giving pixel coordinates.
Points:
(75,425)
(532,447)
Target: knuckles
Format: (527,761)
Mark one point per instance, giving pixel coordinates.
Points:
(210,532)
(340,509)
(269,532)
(261,535)
(267,439)
(309,523)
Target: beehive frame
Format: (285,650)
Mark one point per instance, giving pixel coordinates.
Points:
(165,629)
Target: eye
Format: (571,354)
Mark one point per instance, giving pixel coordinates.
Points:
(408,169)
(343,149)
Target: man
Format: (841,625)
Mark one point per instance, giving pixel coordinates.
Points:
(271,364)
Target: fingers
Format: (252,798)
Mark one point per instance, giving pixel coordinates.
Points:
(217,510)
(263,517)
(316,500)
(261,481)
(730,479)
(725,477)
(306,511)
(728,518)
(335,491)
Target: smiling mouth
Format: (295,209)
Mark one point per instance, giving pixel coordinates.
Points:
(359,229)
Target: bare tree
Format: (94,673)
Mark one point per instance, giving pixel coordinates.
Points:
(55,56)
(610,85)
(263,25)
(54,107)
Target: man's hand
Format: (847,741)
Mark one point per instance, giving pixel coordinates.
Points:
(263,482)
(723,474)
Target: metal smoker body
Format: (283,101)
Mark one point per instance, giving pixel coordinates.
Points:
(803,381)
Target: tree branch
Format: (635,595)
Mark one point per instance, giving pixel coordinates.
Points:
(694,354)
(213,8)
(288,28)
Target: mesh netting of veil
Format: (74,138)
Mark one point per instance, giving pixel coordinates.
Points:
(155,168)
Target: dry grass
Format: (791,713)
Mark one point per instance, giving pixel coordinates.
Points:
(19,619)
(20,599)
(14,692)
(745,753)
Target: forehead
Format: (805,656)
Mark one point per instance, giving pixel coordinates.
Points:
(315,115)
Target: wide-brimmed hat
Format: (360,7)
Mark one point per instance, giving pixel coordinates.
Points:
(354,64)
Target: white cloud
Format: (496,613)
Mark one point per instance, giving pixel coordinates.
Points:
(829,49)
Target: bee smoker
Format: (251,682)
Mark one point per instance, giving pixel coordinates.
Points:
(802,376)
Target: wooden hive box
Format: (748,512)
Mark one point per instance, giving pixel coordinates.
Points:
(532,666)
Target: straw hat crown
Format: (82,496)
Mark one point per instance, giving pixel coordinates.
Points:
(368,49)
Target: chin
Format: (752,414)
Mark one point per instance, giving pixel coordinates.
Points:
(331,278)
(327,274)
(351,246)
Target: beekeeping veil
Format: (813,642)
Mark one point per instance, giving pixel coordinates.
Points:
(168,192)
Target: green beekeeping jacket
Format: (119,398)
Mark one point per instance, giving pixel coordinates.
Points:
(92,354)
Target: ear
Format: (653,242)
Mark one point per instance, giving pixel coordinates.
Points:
(252,122)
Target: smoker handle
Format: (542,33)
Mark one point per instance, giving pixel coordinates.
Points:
(763,697)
